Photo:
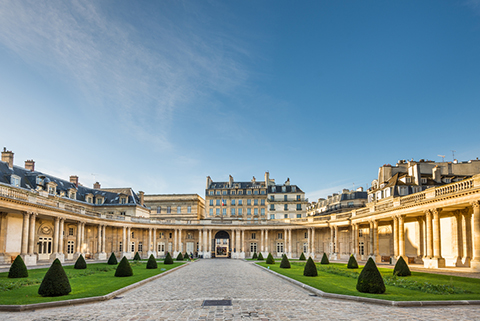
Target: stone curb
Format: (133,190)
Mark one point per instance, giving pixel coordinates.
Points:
(109,296)
(370,300)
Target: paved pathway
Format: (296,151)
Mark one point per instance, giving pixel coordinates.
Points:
(256,295)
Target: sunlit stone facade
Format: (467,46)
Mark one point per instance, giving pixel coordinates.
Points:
(43,217)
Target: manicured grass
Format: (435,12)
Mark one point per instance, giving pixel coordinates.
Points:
(98,279)
(340,284)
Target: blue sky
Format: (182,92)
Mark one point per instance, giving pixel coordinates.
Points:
(157,95)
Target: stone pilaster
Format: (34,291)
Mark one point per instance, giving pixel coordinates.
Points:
(475,263)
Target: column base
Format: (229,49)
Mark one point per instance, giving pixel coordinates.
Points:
(418,260)
(375,258)
(5,259)
(434,263)
(265,255)
(29,259)
(101,256)
(128,255)
(333,256)
(475,266)
(207,255)
(59,256)
(152,253)
(235,255)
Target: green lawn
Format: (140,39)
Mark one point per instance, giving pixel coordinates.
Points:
(98,279)
(336,278)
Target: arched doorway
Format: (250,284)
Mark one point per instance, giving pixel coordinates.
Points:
(222,244)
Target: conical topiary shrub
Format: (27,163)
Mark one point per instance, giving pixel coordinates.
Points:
(137,257)
(324,259)
(352,263)
(124,268)
(180,257)
(310,268)
(370,280)
(255,256)
(55,282)
(270,259)
(401,268)
(112,260)
(80,264)
(186,256)
(152,263)
(18,269)
(302,257)
(168,259)
(285,264)
(260,257)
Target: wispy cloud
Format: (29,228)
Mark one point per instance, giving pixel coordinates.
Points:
(140,83)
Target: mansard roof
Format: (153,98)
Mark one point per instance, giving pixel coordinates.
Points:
(28,180)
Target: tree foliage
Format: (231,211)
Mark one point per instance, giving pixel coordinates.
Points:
(370,280)
(55,282)
(302,257)
(270,259)
(124,269)
(80,263)
(401,268)
(112,260)
(137,257)
(255,256)
(310,268)
(168,259)
(152,263)
(18,269)
(260,257)
(180,257)
(324,259)
(352,263)
(285,264)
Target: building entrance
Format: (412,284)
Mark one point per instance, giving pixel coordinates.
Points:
(222,244)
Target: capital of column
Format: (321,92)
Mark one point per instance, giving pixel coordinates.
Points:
(476,205)
(436,211)
(375,224)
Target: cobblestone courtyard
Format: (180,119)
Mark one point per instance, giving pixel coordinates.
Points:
(255,294)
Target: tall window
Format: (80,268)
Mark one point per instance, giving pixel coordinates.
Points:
(232,202)
(159,209)
(285,207)
(189,209)
(280,235)
(70,247)
(305,247)
(211,202)
(179,209)
(299,207)
(240,212)
(240,202)
(217,211)
(70,231)
(254,236)
(272,207)
(120,247)
(224,211)
(169,209)
(249,211)
(211,212)
(232,212)
(298,198)
(255,192)
(285,198)
(249,202)
(132,247)
(255,202)
(361,248)
(253,247)
(262,202)
(285,215)
(140,246)
(262,211)
(272,216)
(255,211)
(280,247)
(218,202)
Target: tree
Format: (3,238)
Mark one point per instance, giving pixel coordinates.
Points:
(285,264)
(55,282)
(168,259)
(80,264)
(152,263)
(270,259)
(401,268)
(260,257)
(324,259)
(124,269)
(112,260)
(370,280)
(180,257)
(137,257)
(18,269)
(352,263)
(302,257)
(254,255)
(310,268)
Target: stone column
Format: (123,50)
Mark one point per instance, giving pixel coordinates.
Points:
(420,238)
(290,242)
(180,241)
(395,236)
(437,250)
(313,243)
(466,239)
(285,244)
(104,238)
(200,241)
(31,234)
(238,246)
(266,241)
(24,249)
(376,251)
(82,237)
(175,242)
(475,263)
(401,236)
(155,247)
(209,243)
(429,234)
(242,254)
(99,237)
(336,253)
(261,241)
(4,259)
(61,239)
(370,241)
(129,243)
(124,241)
(56,241)
(79,239)
(309,243)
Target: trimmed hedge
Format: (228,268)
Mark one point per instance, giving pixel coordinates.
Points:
(260,257)
(180,257)
(324,259)
(80,263)
(124,269)
(168,259)
(137,257)
(370,280)
(112,260)
(186,256)
(18,269)
(302,257)
(401,268)
(310,268)
(255,256)
(285,264)
(55,282)
(152,263)
(352,263)
(270,259)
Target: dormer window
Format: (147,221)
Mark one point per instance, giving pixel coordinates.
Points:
(39,180)
(284,189)
(15,180)
(99,200)
(448,180)
(424,180)
(274,189)
(123,200)
(294,189)
(52,188)
(72,193)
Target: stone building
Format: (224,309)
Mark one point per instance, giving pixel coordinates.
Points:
(43,217)
(338,202)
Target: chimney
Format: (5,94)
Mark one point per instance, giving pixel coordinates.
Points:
(142,197)
(30,165)
(437,175)
(253,179)
(97,185)
(7,157)
(209,182)
(74,180)
(287,182)
(230,180)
